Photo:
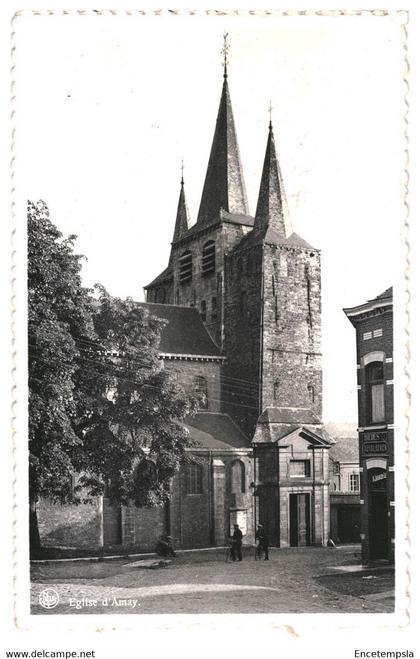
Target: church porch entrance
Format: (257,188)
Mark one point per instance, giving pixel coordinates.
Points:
(300,520)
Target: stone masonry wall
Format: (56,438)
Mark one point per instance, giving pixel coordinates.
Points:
(186,372)
(70,525)
(292,375)
(242,337)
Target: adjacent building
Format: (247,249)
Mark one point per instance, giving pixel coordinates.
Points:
(373,321)
(345,491)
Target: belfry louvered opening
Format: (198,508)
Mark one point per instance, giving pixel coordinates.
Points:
(185,267)
(208,262)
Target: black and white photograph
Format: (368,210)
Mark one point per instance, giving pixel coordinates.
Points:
(211,255)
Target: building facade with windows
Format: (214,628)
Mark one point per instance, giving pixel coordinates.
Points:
(345,490)
(373,322)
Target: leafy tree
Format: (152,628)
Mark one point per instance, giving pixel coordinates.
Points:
(100,403)
(134,442)
(59,314)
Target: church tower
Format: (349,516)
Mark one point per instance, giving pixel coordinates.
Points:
(273,313)
(195,273)
(273,351)
(257,286)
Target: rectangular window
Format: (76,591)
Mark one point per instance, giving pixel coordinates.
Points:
(354,483)
(194,480)
(300,468)
(376,333)
(367,335)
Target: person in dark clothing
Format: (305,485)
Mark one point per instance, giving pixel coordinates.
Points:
(236,549)
(164,546)
(262,541)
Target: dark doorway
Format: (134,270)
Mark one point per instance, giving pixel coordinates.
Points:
(348,523)
(378,514)
(300,520)
(268,513)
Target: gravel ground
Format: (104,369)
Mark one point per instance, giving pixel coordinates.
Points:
(297,580)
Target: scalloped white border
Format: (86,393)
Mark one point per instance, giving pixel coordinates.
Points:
(293,625)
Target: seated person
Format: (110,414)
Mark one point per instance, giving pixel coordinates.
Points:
(164,546)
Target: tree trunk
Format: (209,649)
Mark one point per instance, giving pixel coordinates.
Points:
(34,539)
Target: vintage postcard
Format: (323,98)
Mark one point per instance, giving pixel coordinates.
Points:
(210,251)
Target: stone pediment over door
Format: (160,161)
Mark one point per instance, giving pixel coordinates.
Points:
(316,437)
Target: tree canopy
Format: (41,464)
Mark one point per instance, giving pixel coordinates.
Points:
(100,403)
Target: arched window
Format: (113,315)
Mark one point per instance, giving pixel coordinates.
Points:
(375,392)
(200,385)
(208,258)
(203,311)
(237,477)
(194,479)
(276,390)
(185,267)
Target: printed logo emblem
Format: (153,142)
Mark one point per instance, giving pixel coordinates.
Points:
(48,598)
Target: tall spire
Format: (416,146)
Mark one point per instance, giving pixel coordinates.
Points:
(182,215)
(272,212)
(224,186)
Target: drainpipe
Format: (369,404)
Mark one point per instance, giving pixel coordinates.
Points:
(261,332)
(313,496)
(211,506)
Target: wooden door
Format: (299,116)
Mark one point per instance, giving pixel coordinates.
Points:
(299,519)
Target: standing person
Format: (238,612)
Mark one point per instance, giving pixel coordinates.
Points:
(262,540)
(236,551)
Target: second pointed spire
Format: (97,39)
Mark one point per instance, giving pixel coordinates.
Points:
(272,211)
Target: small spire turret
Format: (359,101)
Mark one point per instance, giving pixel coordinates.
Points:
(182,221)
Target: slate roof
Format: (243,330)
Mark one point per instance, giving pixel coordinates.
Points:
(270,236)
(288,415)
(346,449)
(224,185)
(272,208)
(382,300)
(165,275)
(385,294)
(216,431)
(184,333)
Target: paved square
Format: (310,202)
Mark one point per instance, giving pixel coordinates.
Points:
(292,581)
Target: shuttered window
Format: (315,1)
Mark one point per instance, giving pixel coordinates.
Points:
(208,262)
(185,267)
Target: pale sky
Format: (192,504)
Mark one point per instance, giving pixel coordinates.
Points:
(108,105)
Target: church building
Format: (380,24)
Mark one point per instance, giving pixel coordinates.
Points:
(257,288)
(241,295)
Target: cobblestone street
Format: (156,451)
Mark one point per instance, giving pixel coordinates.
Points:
(304,580)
